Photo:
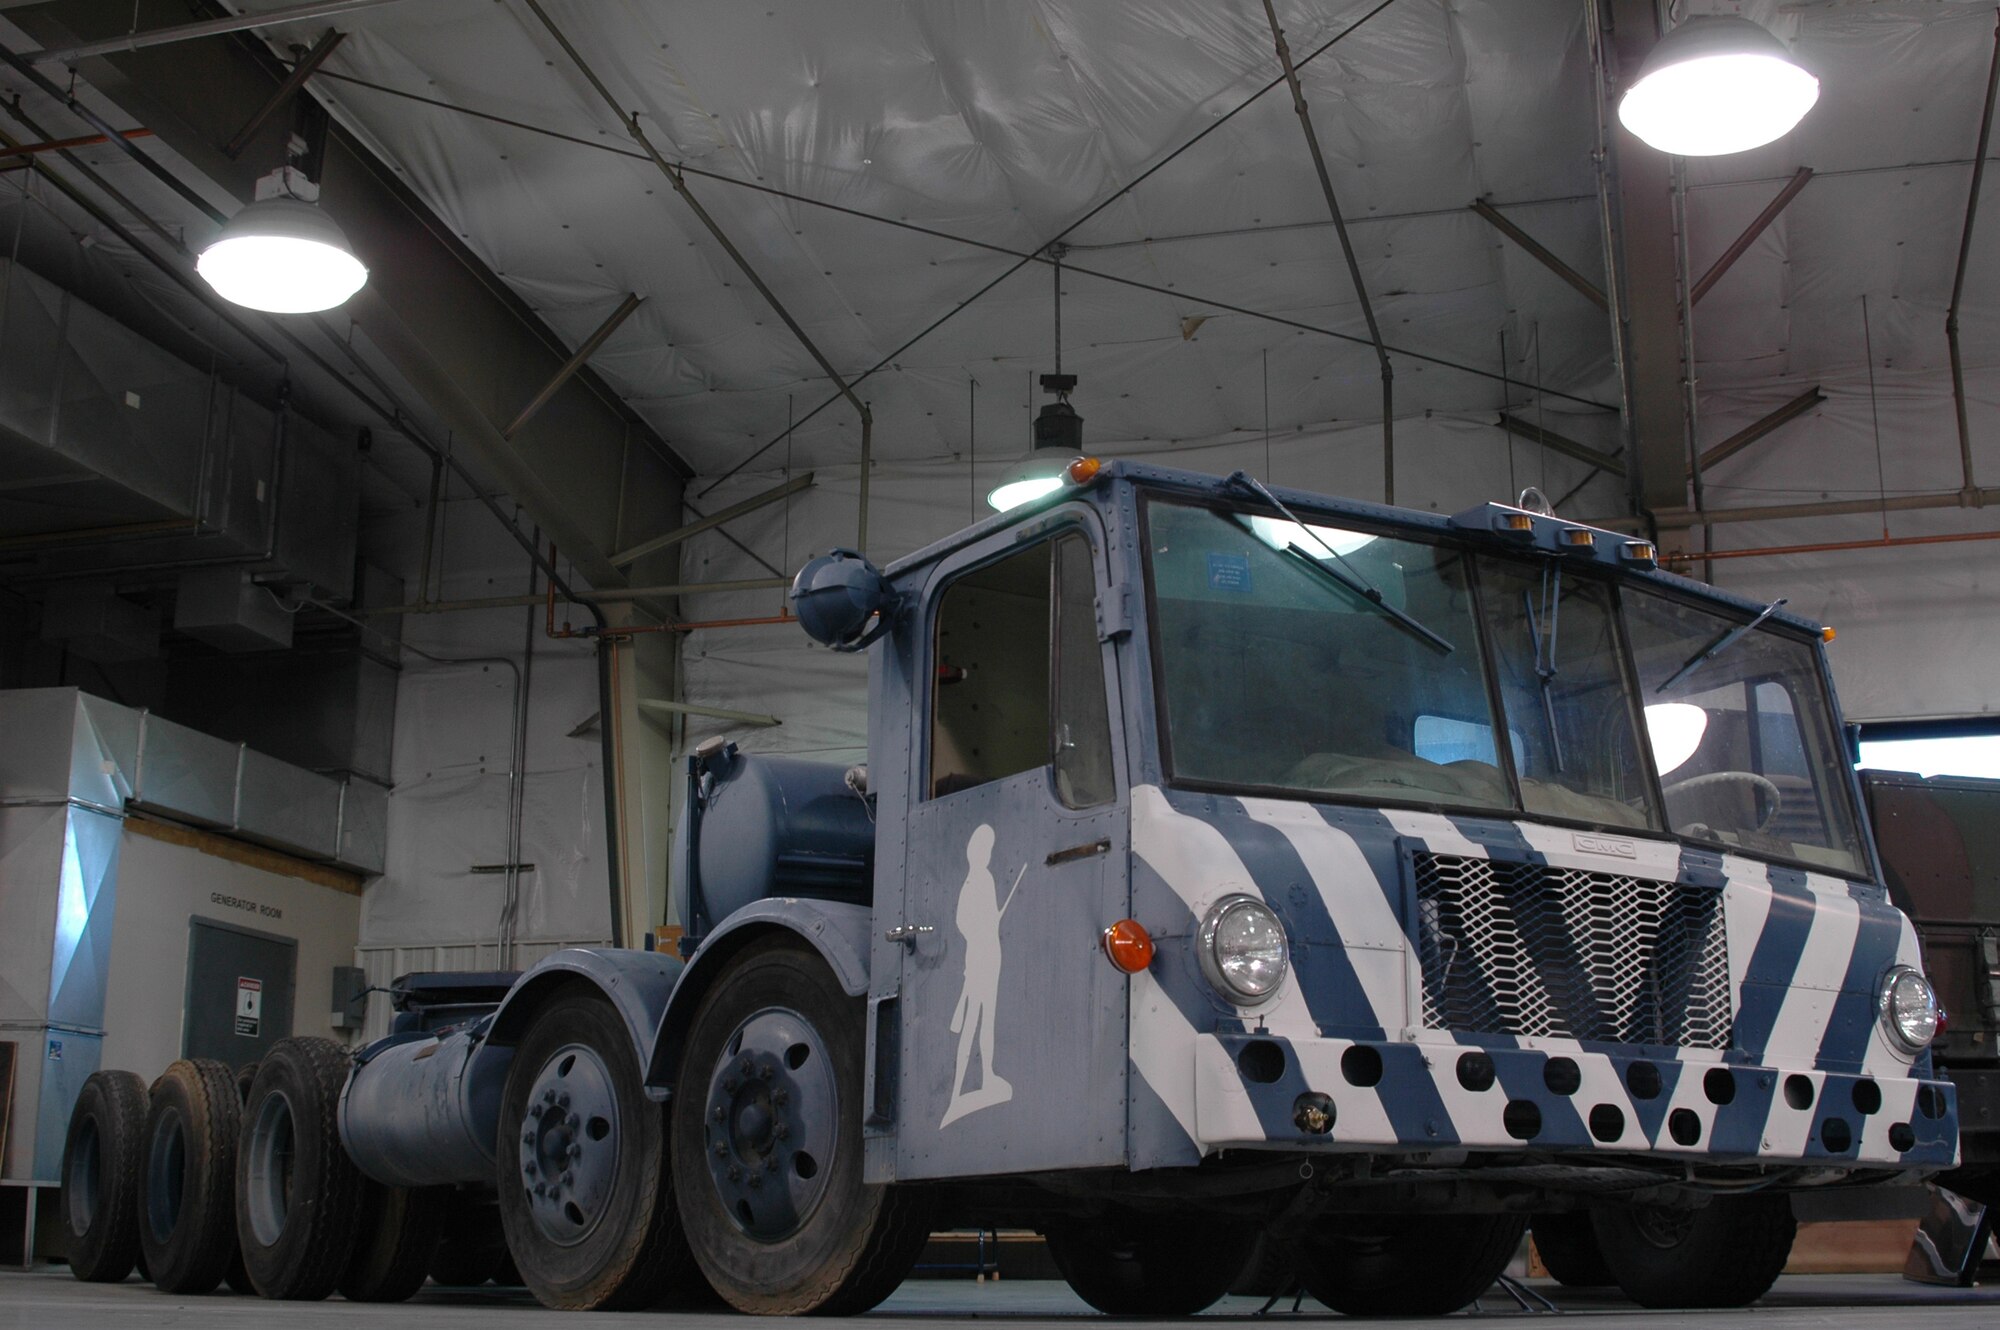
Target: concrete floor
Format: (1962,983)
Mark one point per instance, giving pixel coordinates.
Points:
(52,1300)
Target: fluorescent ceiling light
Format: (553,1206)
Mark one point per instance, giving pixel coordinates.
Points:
(1040,475)
(1675,729)
(282,256)
(1717,85)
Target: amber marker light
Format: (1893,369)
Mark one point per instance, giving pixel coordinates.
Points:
(1827,634)
(1128,945)
(1082,471)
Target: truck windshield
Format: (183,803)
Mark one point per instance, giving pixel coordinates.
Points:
(1745,742)
(1275,678)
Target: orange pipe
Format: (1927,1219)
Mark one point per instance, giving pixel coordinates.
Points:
(1879,543)
(59,145)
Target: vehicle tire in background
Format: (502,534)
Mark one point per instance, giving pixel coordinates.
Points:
(1727,1254)
(298,1195)
(1148,1266)
(585,1200)
(767,1145)
(398,1232)
(237,1277)
(1568,1247)
(1414,1265)
(187,1209)
(102,1156)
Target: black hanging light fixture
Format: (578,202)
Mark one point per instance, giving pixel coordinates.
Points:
(1058,434)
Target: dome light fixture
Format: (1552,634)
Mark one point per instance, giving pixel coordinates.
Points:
(281,254)
(1717,84)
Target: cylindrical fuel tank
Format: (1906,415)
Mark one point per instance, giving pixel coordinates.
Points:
(778,826)
(423,1113)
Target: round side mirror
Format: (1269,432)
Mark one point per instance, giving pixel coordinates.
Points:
(843,601)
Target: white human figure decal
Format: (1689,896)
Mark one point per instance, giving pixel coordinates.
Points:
(979,916)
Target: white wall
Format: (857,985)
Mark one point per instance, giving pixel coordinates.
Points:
(161,886)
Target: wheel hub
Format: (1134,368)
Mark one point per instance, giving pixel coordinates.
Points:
(1663,1226)
(770,1118)
(568,1153)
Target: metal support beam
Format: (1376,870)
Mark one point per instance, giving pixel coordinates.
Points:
(1588,289)
(1347,251)
(63,145)
(1778,512)
(575,362)
(1757,429)
(773,495)
(661,706)
(618,596)
(308,65)
(1741,245)
(1964,256)
(1556,443)
(215,27)
(1645,272)
(630,123)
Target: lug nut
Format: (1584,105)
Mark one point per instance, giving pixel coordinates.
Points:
(720,1113)
(764,1072)
(541,1189)
(568,1178)
(549,1095)
(781,1131)
(749,1065)
(735,1173)
(527,1138)
(721,1150)
(573,1122)
(576,1150)
(756,1181)
(562,1100)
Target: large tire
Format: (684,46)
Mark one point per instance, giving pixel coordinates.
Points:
(770,1092)
(585,1200)
(102,1156)
(1395,1265)
(1146,1266)
(298,1195)
(187,1203)
(1727,1254)
(1568,1248)
(398,1232)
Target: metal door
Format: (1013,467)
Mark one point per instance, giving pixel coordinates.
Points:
(1012,1021)
(239,992)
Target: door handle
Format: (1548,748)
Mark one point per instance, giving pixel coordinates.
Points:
(907,934)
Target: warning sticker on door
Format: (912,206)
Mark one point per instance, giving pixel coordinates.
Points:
(249,1006)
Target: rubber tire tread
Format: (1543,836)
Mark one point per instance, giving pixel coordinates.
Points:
(1736,1251)
(107,1251)
(659,1266)
(193,1258)
(1435,1265)
(893,1235)
(399,1230)
(1568,1249)
(317,1241)
(1176,1268)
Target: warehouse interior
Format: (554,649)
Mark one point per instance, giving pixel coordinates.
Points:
(380,637)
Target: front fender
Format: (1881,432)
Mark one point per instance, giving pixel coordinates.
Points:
(637,983)
(837,931)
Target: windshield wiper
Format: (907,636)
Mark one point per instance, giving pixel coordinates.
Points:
(1722,642)
(1342,576)
(1545,649)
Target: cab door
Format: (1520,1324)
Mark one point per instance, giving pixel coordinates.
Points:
(1012,1022)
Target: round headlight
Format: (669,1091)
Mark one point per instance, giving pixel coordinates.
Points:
(1909,1009)
(1243,949)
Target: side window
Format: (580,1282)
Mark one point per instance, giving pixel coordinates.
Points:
(1019,679)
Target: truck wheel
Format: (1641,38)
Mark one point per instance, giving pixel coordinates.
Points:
(187,1211)
(298,1195)
(767,1146)
(1405,1265)
(1568,1248)
(398,1232)
(1727,1254)
(237,1277)
(585,1200)
(100,1176)
(1149,1267)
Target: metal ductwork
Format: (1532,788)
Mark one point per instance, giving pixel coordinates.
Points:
(120,459)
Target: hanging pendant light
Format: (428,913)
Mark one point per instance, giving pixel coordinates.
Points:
(281,254)
(1717,84)
(1058,437)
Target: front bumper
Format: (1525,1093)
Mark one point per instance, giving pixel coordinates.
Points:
(1256,1091)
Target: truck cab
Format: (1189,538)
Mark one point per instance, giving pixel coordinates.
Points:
(1231,866)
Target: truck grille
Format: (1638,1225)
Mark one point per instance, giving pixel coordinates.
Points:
(1524,949)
